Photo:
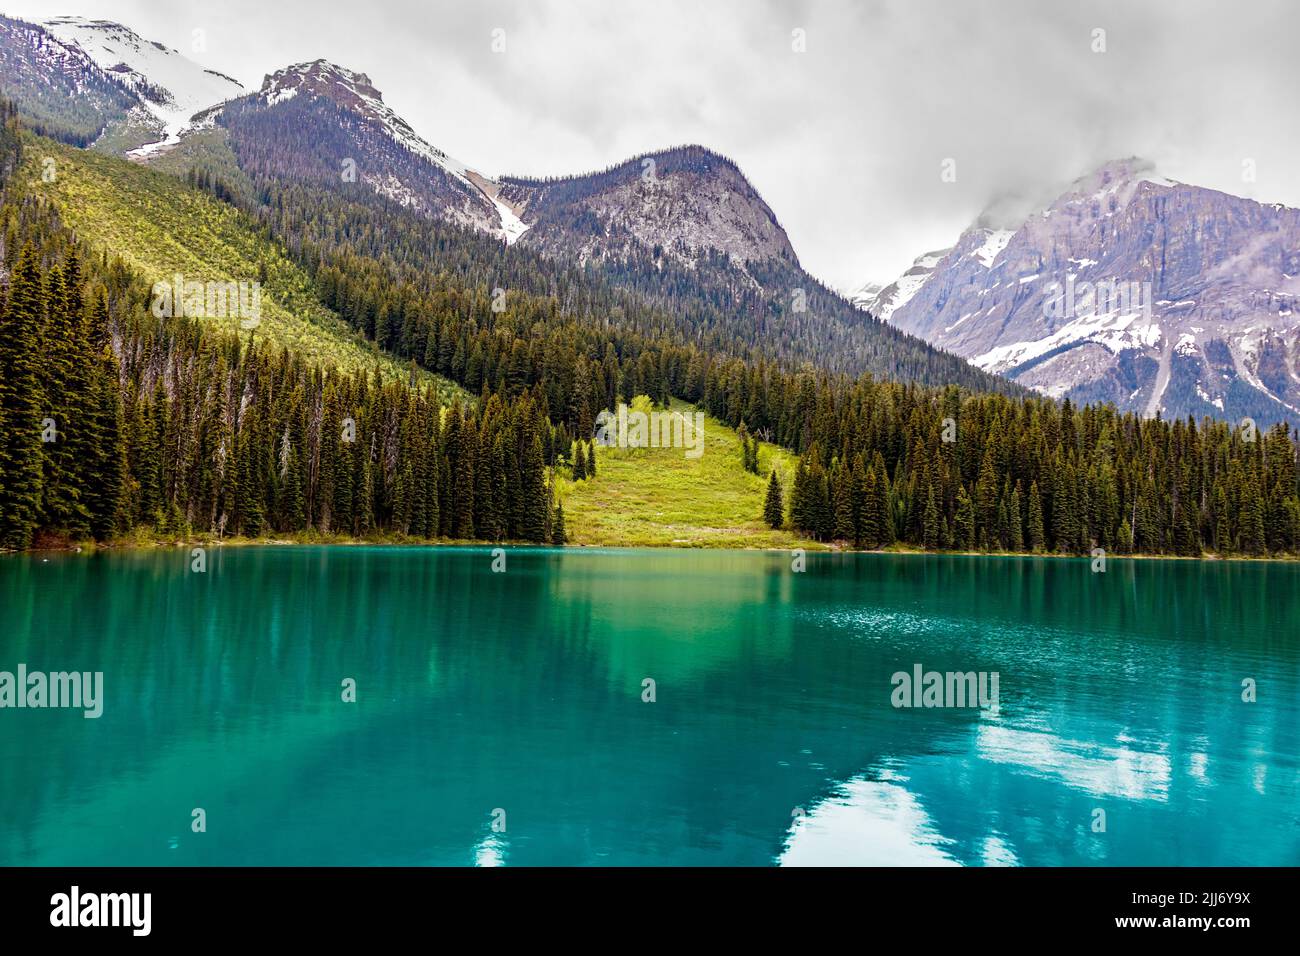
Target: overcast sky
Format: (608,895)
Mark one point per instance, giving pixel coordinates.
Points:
(845,140)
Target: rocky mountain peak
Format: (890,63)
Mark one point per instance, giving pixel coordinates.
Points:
(1129,287)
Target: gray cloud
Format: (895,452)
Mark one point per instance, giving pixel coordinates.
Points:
(845,141)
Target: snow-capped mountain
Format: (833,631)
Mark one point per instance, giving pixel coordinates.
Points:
(171,88)
(1131,288)
(883,300)
(58,88)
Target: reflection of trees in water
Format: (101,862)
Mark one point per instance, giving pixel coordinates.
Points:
(522,690)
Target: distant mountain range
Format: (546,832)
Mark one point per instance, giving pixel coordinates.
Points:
(1130,288)
(1209,329)
(682,228)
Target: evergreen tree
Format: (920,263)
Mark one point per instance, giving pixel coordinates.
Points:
(842,504)
(773,507)
(1035,520)
(21,405)
(558,537)
(1015,527)
(964,523)
(932,539)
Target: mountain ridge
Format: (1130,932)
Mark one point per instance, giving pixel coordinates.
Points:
(1210,323)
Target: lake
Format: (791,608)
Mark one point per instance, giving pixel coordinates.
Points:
(505,718)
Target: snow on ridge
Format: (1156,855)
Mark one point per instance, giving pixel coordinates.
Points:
(171,87)
(369,102)
(992,247)
(1108,329)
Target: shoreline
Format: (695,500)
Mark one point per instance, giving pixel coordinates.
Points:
(148,544)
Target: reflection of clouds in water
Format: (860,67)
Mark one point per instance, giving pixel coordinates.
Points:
(491,851)
(1094,768)
(997,852)
(1261,774)
(866,823)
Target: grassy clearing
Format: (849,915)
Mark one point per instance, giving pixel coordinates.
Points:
(163,228)
(657,497)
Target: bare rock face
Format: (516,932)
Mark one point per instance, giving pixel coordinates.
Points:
(684,202)
(1158,296)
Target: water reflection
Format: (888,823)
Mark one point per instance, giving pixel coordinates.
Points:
(522,691)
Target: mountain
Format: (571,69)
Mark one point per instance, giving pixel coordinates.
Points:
(356,137)
(682,230)
(97,83)
(58,88)
(169,88)
(681,202)
(883,300)
(1159,296)
(190,234)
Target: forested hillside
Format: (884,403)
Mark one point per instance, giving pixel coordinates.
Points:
(771,310)
(180,427)
(113,420)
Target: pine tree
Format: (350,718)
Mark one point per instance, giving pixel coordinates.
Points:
(878,503)
(62,508)
(1015,529)
(21,405)
(1124,538)
(1035,522)
(106,493)
(1252,523)
(842,504)
(964,523)
(932,538)
(532,489)
(558,537)
(579,463)
(773,507)
(870,518)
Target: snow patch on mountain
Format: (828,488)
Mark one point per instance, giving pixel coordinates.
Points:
(992,246)
(171,87)
(354,91)
(883,301)
(1207,297)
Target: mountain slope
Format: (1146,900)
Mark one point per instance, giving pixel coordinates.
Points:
(170,88)
(1158,296)
(882,301)
(59,89)
(162,228)
(355,137)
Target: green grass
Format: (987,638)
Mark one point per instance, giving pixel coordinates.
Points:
(162,228)
(657,497)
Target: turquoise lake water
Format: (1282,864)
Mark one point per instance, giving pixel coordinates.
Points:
(499,717)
